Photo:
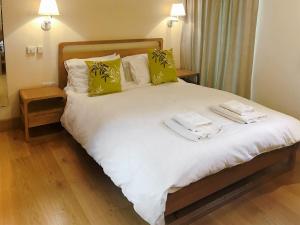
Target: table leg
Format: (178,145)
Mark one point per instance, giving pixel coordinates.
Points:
(198,79)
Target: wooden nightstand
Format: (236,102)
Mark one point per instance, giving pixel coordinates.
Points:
(189,74)
(41,109)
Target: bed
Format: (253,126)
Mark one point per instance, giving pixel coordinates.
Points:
(158,171)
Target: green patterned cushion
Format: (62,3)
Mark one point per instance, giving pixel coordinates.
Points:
(162,66)
(104,77)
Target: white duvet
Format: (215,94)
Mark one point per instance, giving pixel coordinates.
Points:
(125,134)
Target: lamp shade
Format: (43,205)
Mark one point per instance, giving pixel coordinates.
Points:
(48,8)
(178,10)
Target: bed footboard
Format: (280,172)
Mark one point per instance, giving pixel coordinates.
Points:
(209,185)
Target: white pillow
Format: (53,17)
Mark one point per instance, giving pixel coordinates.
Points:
(78,73)
(139,68)
(126,68)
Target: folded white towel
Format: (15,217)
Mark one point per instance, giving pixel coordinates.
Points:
(192,120)
(238,107)
(206,131)
(249,118)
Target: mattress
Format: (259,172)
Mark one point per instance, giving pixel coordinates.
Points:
(125,134)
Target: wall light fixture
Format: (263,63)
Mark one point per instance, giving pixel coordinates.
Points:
(176,12)
(48,9)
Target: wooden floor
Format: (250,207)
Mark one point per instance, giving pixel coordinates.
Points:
(56,183)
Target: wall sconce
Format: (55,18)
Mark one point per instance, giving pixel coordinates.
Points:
(176,11)
(48,8)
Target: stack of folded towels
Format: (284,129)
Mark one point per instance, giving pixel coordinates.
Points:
(192,126)
(238,112)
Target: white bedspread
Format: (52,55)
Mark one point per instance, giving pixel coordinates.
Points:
(125,134)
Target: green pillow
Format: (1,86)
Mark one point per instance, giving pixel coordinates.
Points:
(104,77)
(162,66)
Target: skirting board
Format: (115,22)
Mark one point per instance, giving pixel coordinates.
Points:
(10,124)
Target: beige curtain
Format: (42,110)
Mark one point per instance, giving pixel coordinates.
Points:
(218,41)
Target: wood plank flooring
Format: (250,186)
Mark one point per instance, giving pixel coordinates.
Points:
(57,183)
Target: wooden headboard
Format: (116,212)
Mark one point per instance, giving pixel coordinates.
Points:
(88,49)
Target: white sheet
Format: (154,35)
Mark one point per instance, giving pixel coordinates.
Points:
(124,133)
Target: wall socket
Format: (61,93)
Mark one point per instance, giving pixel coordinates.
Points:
(40,49)
(48,83)
(30,50)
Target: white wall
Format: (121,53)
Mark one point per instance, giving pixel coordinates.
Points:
(79,20)
(276,75)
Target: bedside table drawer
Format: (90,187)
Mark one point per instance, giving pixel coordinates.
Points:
(44,119)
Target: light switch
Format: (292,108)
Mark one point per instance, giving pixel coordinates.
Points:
(40,49)
(30,50)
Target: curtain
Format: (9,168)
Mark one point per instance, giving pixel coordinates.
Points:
(218,40)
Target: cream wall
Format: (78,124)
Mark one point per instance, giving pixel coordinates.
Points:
(276,75)
(79,20)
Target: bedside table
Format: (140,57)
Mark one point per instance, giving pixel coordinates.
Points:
(187,74)
(41,109)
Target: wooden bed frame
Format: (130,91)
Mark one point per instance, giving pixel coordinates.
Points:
(204,187)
